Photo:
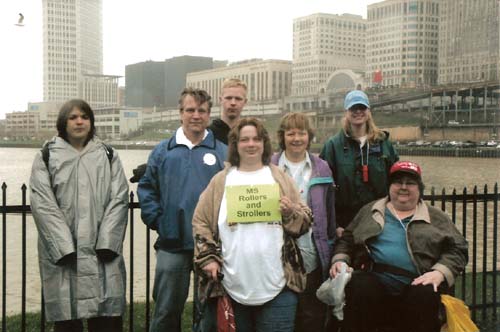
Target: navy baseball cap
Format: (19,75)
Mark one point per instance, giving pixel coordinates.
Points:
(356,97)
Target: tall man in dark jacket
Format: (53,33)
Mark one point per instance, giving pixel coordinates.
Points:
(178,170)
(232,101)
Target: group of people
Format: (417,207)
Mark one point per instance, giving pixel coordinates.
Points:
(261,229)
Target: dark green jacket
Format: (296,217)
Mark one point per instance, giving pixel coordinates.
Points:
(434,242)
(344,158)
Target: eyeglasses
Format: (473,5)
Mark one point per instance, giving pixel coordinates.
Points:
(358,107)
(408,183)
(201,111)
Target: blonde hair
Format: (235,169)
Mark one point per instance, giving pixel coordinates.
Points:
(234,83)
(373,133)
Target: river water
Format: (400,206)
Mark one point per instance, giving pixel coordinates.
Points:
(15,167)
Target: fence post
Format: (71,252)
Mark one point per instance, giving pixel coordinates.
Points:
(148,275)
(42,313)
(495,248)
(443,199)
(131,304)
(485,252)
(474,252)
(4,257)
(464,233)
(23,245)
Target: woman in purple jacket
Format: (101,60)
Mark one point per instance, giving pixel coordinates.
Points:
(315,183)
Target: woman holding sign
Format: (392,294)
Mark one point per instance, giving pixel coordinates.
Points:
(244,225)
(314,181)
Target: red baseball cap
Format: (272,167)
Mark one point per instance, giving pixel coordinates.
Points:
(407,167)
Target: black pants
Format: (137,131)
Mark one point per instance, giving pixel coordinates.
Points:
(369,307)
(311,312)
(97,324)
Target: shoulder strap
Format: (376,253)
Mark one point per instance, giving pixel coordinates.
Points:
(109,152)
(46,155)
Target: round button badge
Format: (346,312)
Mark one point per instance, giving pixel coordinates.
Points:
(209,159)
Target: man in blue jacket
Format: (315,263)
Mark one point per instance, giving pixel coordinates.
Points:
(178,170)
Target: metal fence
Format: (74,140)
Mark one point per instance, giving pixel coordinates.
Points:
(475,214)
(473,152)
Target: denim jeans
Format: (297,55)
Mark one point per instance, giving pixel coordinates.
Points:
(170,289)
(277,315)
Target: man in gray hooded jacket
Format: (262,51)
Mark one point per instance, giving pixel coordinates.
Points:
(79,198)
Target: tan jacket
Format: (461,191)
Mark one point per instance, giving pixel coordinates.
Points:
(206,232)
(433,241)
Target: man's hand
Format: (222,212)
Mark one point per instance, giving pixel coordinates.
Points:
(211,270)
(434,278)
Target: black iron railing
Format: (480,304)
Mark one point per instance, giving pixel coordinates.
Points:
(475,214)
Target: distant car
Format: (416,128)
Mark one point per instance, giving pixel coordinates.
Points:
(456,143)
(411,144)
(436,144)
(491,143)
(445,144)
(453,123)
(426,143)
(482,143)
(469,144)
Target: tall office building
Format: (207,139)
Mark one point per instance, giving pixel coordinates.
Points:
(145,84)
(155,83)
(323,43)
(176,69)
(402,43)
(72,46)
(469,36)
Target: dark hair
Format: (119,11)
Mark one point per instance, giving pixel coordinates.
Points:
(62,118)
(234,136)
(291,121)
(201,97)
(400,175)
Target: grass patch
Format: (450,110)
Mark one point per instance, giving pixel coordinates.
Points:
(484,319)
(33,320)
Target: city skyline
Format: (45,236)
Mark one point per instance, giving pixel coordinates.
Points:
(134,34)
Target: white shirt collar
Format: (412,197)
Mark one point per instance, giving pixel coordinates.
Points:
(180,138)
(283,161)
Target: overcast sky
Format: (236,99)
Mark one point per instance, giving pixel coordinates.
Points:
(136,31)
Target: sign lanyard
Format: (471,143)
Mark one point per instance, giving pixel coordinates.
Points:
(364,167)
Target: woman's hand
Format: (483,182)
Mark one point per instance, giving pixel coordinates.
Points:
(211,270)
(286,206)
(434,278)
(336,268)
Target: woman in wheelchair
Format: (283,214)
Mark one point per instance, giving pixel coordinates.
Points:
(404,253)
